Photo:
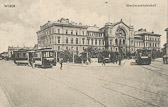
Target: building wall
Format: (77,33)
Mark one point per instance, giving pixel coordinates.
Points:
(74,37)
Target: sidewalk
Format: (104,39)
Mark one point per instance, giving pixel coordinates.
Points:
(3,99)
(97,64)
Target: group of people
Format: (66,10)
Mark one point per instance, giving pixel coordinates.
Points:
(113,59)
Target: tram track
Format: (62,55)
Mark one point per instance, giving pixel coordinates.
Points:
(109,89)
(117,83)
(154,71)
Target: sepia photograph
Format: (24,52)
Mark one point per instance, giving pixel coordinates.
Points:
(83,53)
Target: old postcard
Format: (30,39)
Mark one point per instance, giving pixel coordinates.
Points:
(83,53)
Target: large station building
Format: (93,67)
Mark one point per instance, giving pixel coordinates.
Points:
(66,35)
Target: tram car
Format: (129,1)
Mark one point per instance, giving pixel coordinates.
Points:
(143,56)
(22,56)
(45,57)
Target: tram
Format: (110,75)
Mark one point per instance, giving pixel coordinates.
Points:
(143,56)
(22,56)
(45,57)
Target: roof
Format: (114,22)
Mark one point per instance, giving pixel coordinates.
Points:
(62,23)
(93,28)
(146,33)
(114,24)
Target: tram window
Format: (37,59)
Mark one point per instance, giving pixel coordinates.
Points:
(24,54)
(51,54)
(17,55)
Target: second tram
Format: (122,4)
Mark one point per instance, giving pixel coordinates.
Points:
(45,57)
(143,57)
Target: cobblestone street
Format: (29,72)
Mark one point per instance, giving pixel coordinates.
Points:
(129,85)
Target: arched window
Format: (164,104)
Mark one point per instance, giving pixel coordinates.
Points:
(123,41)
(120,32)
(116,41)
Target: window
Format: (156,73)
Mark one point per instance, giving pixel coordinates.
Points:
(92,41)
(123,42)
(83,32)
(71,40)
(83,48)
(76,40)
(110,42)
(95,41)
(66,31)
(83,40)
(103,42)
(58,47)
(67,40)
(71,32)
(71,47)
(76,48)
(59,40)
(88,41)
(58,30)
(24,54)
(76,32)
(66,47)
(116,41)
(120,42)
(99,42)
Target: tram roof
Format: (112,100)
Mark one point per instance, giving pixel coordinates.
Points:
(45,49)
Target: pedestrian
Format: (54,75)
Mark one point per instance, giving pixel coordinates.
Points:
(33,63)
(61,64)
(103,61)
(116,59)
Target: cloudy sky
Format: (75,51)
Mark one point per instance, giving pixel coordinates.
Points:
(18,25)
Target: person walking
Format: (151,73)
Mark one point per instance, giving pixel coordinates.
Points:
(33,63)
(61,64)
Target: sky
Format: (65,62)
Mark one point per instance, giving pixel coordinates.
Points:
(18,25)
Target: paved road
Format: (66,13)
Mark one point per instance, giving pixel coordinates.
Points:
(130,85)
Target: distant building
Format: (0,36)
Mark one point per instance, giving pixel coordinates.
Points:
(147,40)
(11,49)
(4,54)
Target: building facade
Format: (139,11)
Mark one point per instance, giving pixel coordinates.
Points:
(147,40)
(63,35)
(119,35)
(66,35)
(95,38)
